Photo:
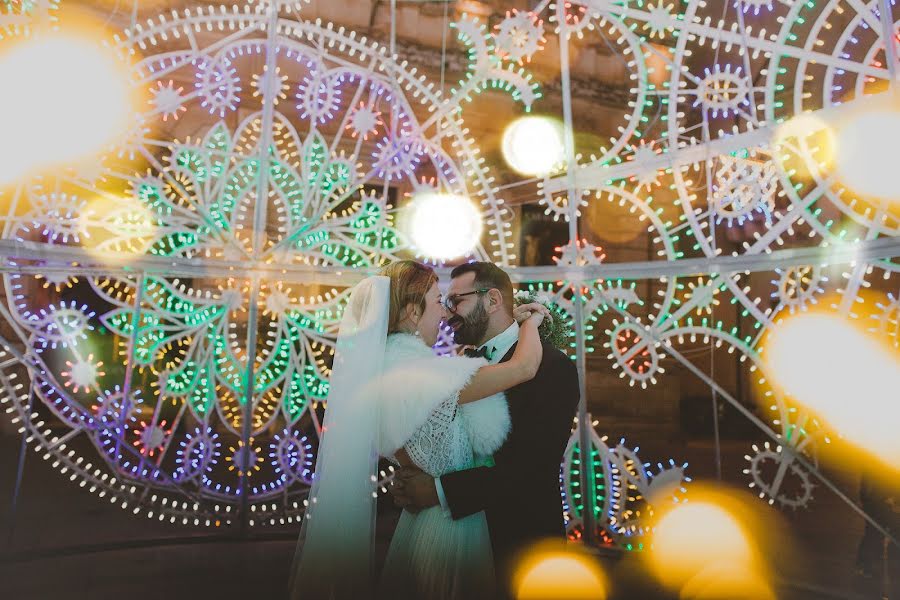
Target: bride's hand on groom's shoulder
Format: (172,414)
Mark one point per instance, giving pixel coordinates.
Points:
(523,312)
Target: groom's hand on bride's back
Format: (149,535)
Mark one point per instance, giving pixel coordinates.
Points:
(413,489)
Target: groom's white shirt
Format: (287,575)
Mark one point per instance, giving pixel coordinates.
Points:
(501,343)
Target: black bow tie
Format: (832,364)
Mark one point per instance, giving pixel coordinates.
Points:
(480,352)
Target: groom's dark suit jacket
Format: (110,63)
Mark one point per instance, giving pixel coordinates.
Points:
(521,493)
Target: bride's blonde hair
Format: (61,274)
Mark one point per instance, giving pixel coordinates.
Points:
(410,281)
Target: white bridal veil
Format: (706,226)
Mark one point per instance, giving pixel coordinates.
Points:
(335,549)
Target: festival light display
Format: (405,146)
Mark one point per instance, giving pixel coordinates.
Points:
(170,325)
(153,369)
(21,17)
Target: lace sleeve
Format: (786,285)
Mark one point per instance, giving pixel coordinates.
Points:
(432,446)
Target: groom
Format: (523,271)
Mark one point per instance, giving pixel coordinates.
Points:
(520,493)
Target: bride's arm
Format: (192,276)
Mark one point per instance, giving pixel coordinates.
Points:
(523,365)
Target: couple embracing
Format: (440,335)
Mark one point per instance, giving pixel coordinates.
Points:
(477,440)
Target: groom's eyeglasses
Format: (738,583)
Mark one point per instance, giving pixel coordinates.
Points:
(451,303)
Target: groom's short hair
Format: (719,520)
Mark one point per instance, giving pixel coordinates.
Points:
(488,275)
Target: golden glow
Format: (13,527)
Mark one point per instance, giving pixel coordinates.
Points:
(853,142)
(443,226)
(557,575)
(805,146)
(693,535)
(721,579)
(534,146)
(866,153)
(705,548)
(64,98)
(118,229)
(840,372)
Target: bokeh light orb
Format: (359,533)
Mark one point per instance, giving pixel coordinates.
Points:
(546,575)
(64,98)
(834,368)
(444,226)
(866,155)
(805,146)
(534,145)
(693,535)
(721,579)
(713,546)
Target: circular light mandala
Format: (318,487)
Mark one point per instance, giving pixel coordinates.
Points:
(303,140)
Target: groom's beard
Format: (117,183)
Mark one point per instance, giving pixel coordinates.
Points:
(474,326)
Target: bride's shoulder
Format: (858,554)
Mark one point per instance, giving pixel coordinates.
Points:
(406,346)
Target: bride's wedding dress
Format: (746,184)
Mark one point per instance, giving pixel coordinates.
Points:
(387,393)
(431,555)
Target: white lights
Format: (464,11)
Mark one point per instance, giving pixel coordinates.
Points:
(867,154)
(443,226)
(534,146)
(844,375)
(63,99)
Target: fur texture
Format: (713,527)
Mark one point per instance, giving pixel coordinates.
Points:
(487,423)
(416,381)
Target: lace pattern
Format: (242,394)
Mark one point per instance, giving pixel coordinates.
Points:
(441,444)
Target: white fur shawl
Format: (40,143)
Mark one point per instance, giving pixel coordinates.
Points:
(416,381)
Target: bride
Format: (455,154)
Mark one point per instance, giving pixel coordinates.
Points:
(391,396)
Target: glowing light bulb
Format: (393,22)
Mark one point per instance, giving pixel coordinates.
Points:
(866,154)
(444,226)
(805,135)
(844,375)
(692,535)
(547,575)
(64,98)
(534,145)
(703,550)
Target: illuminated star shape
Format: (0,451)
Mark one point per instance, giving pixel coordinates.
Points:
(645,155)
(260,83)
(704,294)
(151,438)
(364,121)
(168,100)
(660,22)
(82,374)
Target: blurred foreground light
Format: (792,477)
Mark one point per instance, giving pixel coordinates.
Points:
(443,226)
(559,575)
(720,580)
(534,146)
(64,98)
(692,536)
(867,154)
(842,374)
(705,548)
(805,146)
(118,229)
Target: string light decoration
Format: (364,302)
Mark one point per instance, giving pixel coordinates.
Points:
(21,17)
(301,132)
(288,170)
(519,36)
(717,152)
(623,491)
